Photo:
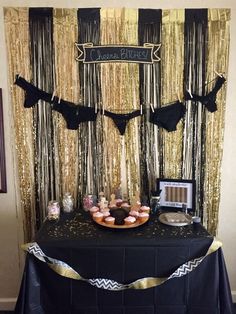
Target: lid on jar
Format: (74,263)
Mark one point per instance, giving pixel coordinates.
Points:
(67,194)
(53,202)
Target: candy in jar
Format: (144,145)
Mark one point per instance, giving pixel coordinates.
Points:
(88,202)
(53,210)
(67,203)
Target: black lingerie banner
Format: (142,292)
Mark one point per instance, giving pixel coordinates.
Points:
(166,117)
(88,53)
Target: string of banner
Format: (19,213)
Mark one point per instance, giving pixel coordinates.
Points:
(65,270)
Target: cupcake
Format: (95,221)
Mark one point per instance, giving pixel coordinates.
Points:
(134,213)
(110,220)
(105,209)
(112,206)
(119,201)
(93,210)
(143,216)
(125,205)
(136,206)
(105,213)
(129,220)
(98,217)
(145,209)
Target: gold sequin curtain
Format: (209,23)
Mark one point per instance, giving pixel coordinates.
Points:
(66,80)
(218,50)
(119,87)
(172,61)
(17,38)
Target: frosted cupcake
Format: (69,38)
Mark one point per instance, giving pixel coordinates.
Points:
(110,220)
(129,220)
(105,209)
(98,217)
(136,206)
(134,213)
(143,216)
(125,205)
(119,201)
(93,210)
(105,213)
(145,209)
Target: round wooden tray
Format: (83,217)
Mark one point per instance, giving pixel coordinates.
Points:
(134,225)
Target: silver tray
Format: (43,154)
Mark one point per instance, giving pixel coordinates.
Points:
(184,219)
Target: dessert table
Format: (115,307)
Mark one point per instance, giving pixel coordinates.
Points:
(123,255)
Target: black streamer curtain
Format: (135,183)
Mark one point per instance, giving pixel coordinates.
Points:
(196,23)
(42,61)
(153,141)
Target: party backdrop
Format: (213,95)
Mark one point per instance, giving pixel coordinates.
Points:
(163,119)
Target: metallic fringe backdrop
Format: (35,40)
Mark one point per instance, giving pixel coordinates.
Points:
(66,86)
(52,160)
(172,87)
(90,170)
(17,38)
(120,94)
(194,81)
(42,48)
(217,61)
(151,145)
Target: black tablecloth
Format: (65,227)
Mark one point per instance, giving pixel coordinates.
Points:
(152,249)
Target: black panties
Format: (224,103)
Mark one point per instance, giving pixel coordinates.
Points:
(209,100)
(32,93)
(121,120)
(72,113)
(168,117)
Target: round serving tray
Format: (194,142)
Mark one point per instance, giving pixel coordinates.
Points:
(187,219)
(134,225)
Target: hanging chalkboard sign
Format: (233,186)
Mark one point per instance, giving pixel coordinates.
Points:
(88,53)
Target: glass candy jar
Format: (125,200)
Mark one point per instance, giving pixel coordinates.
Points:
(68,203)
(53,210)
(155,204)
(88,202)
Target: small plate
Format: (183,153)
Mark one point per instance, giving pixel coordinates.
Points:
(184,219)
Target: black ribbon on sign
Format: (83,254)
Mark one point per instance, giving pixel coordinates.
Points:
(88,53)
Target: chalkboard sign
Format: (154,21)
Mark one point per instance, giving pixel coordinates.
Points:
(88,53)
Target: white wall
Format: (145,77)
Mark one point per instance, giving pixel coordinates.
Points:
(10,220)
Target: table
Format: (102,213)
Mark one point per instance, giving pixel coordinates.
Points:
(152,249)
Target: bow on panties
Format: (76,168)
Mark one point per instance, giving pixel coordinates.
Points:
(209,100)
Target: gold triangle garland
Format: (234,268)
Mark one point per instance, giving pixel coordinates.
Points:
(65,270)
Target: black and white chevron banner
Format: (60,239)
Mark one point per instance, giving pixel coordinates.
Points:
(65,270)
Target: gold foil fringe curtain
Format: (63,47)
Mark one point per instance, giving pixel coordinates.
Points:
(17,38)
(218,51)
(120,93)
(172,86)
(119,86)
(67,87)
